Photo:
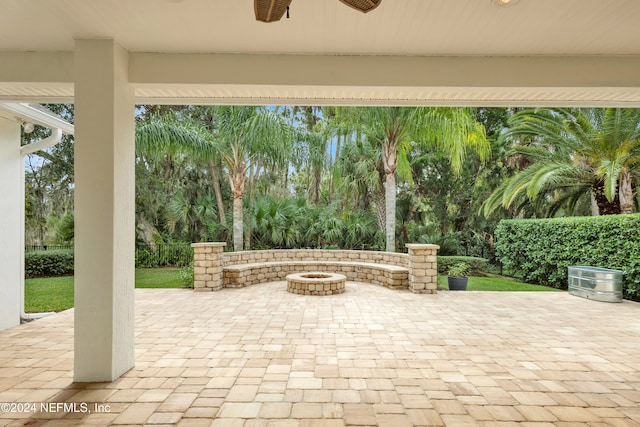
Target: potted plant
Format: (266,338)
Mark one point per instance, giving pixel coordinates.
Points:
(458,277)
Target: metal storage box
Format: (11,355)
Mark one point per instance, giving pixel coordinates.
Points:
(600,284)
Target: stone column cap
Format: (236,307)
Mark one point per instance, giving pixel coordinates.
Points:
(208,244)
(421,246)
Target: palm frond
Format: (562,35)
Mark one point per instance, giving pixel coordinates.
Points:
(454,130)
(167,135)
(610,170)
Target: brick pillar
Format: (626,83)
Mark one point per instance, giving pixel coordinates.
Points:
(423,268)
(207,266)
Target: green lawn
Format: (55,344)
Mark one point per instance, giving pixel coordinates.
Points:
(498,283)
(158,278)
(56,293)
(48,294)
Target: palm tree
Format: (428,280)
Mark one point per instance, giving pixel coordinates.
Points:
(167,135)
(275,222)
(248,139)
(317,160)
(167,140)
(451,129)
(573,155)
(360,176)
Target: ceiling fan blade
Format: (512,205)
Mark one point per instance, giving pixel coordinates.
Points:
(270,10)
(362,5)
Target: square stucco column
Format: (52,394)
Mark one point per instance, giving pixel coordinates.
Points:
(423,268)
(11,228)
(207,266)
(104,212)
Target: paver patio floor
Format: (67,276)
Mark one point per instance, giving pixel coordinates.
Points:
(260,356)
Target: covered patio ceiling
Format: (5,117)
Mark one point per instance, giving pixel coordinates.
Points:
(405,52)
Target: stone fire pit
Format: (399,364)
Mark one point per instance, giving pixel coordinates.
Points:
(316,283)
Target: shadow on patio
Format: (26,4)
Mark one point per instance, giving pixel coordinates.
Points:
(260,356)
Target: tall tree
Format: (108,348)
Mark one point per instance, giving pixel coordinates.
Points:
(49,179)
(360,175)
(573,155)
(248,139)
(311,151)
(171,150)
(453,130)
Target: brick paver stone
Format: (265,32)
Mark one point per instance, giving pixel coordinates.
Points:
(263,357)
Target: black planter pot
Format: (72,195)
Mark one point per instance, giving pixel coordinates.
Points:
(457,283)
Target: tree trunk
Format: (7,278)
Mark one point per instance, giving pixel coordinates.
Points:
(605,207)
(444,226)
(254,173)
(316,184)
(379,201)
(390,209)
(146,232)
(247,236)
(308,183)
(335,159)
(626,193)
(285,189)
(169,168)
(238,238)
(594,204)
(215,182)
(237,181)
(390,162)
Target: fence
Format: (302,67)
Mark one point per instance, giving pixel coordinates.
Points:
(32,248)
(488,253)
(162,255)
(482,251)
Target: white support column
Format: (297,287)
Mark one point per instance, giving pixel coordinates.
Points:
(11,207)
(104,212)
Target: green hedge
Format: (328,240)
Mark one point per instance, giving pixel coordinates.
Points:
(48,263)
(476,265)
(51,263)
(539,251)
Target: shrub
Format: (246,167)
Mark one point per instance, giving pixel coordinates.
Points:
(449,243)
(539,251)
(51,263)
(48,263)
(186,274)
(477,266)
(460,269)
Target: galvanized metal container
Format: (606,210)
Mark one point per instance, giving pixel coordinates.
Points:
(600,284)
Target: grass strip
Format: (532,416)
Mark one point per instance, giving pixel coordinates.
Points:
(56,293)
(498,284)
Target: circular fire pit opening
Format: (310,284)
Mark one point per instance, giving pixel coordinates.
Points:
(316,283)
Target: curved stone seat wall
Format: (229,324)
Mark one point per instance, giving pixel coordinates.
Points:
(252,257)
(241,275)
(215,269)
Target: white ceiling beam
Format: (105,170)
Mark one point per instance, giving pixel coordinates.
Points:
(174,78)
(386,80)
(36,77)
(387,71)
(36,67)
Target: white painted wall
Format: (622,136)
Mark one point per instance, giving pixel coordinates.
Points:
(104,212)
(11,207)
